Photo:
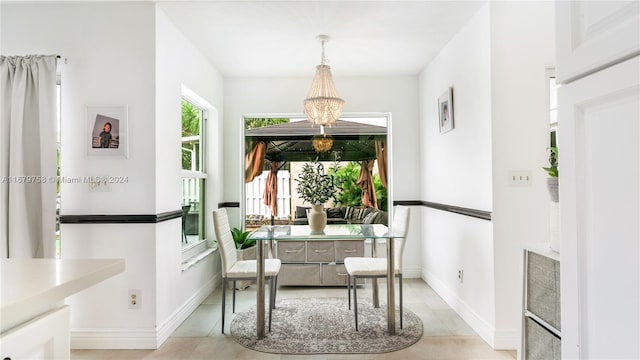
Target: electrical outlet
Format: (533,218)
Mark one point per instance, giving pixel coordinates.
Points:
(98,183)
(520,178)
(135,299)
(460,275)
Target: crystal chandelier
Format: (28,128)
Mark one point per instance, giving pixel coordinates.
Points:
(323,104)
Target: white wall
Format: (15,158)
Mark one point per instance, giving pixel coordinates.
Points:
(110,52)
(496,65)
(522,47)
(395,95)
(110,62)
(456,170)
(123,54)
(179,63)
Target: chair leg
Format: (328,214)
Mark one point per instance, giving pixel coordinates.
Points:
(271,299)
(400,286)
(224,287)
(275,291)
(355,300)
(349,289)
(234,297)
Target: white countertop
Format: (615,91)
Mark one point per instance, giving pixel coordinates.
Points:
(31,287)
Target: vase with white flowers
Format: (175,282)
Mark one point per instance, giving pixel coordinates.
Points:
(316,188)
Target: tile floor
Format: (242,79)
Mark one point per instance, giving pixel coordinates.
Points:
(445,336)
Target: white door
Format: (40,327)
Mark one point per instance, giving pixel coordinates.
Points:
(599,159)
(591,35)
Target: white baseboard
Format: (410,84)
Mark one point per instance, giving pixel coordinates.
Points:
(182,313)
(141,338)
(412,273)
(497,339)
(113,339)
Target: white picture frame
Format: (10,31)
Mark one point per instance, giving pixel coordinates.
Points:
(445,111)
(106,131)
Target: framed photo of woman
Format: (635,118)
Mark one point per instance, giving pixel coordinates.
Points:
(445,111)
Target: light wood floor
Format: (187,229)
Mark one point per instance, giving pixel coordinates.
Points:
(446,335)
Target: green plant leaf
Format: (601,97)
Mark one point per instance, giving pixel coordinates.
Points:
(552,170)
(241,238)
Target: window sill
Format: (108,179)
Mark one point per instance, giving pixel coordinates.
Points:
(193,260)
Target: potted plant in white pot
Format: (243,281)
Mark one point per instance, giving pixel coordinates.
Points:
(552,187)
(552,170)
(316,188)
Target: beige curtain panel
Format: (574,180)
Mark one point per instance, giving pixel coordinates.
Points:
(381,156)
(365,181)
(270,197)
(28,156)
(254,161)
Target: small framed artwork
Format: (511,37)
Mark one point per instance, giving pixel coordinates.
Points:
(106,131)
(445,111)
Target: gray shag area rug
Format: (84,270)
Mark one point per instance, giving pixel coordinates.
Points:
(326,326)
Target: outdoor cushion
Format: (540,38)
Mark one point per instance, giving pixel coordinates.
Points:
(355,213)
(370,218)
(334,213)
(301,211)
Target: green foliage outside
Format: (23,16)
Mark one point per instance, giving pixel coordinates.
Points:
(241,238)
(253,123)
(191,117)
(346,177)
(351,194)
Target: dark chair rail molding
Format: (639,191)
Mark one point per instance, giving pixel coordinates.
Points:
(479,214)
(228,204)
(121,219)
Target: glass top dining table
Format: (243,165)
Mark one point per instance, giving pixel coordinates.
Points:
(331,232)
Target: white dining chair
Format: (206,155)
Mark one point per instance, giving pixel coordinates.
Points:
(370,267)
(234,270)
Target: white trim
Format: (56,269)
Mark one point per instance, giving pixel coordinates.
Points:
(141,338)
(297,116)
(113,339)
(497,339)
(182,313)
(193,260)
(193,174)
(412,273)
(194,98)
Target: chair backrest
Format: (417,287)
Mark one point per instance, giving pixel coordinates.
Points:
(226,244)
(400,227)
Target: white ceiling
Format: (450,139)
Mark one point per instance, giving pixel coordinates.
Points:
(278,38)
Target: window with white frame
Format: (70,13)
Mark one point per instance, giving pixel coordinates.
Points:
(58,125)
(552,89)
(193,171)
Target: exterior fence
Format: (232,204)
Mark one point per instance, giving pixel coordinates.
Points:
(254,192)
(190,191)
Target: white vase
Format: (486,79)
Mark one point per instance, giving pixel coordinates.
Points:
(317,218)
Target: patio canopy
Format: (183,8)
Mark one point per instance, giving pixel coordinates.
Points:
(293,141)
